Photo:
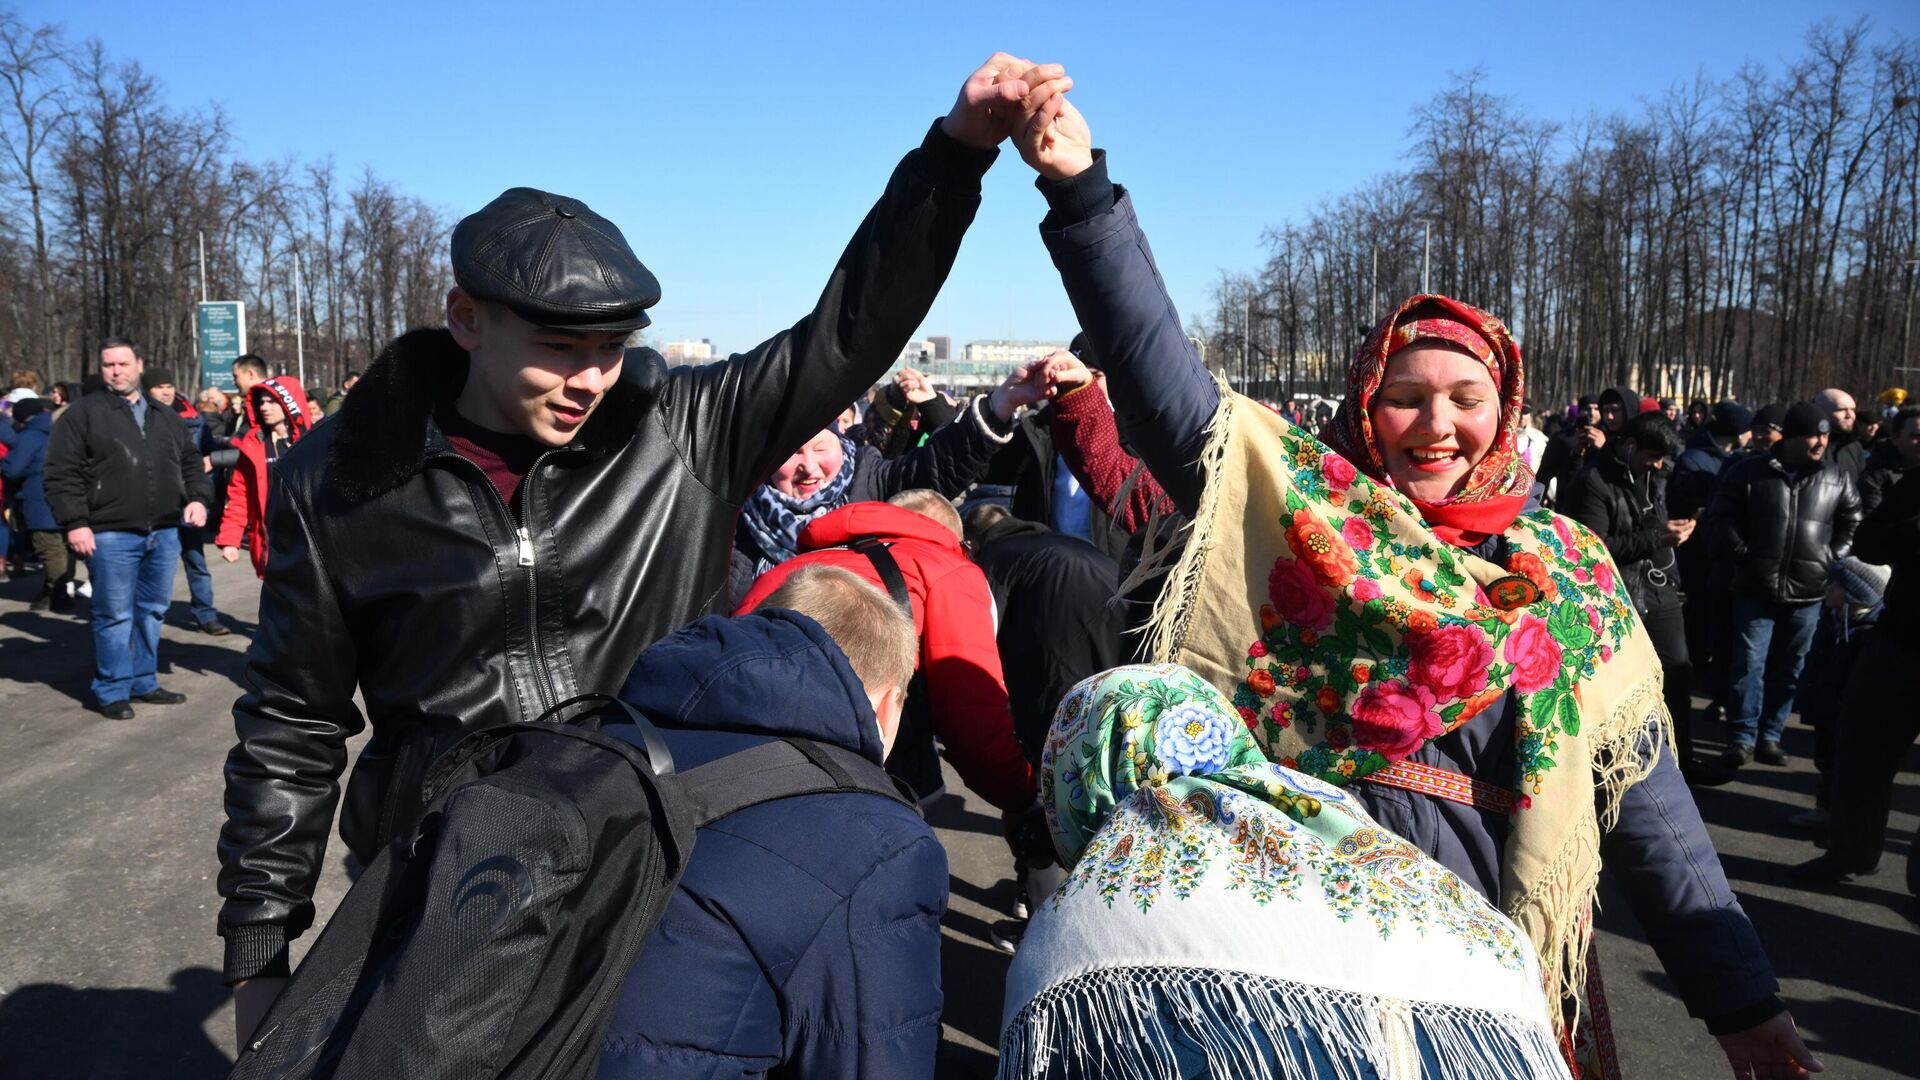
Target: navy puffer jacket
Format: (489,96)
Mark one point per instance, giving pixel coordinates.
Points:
(804,940)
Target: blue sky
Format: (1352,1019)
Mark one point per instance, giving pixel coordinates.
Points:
(738,144)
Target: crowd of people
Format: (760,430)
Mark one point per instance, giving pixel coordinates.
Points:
(1310,729)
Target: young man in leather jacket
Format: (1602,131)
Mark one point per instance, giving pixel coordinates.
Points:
(508,510)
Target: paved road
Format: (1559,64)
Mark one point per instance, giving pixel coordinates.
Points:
(109,964)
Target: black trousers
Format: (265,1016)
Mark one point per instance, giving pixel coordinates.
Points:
(1882,723)
(1668,628)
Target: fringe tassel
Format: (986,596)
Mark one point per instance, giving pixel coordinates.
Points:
(1139,1023)
(1557,913)
(1167,626)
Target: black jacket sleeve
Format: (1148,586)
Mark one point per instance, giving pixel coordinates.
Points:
(194,479)
(736,420)
(1590,501)
(1163,396)
(1846,518)
(949,462)
(1663,860)
(293,723)
(69,472)
(1727,514)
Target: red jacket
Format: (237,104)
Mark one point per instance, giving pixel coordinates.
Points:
(247,492)
(1088,440)
(953,614)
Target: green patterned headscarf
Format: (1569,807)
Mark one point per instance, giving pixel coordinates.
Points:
(1226,911)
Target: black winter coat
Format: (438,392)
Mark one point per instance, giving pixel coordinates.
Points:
(1058,624)
(1030,465)
(1780,531)
(1628,513)
(108,473)
(395,569)
(1884,468)
(949,462)
(1890,536)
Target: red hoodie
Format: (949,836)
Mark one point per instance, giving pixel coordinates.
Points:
(953,614)
(247,491)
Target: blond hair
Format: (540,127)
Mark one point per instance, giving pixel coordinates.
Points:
(929,503)
(869,627)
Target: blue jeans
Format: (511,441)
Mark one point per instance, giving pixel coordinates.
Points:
(1769,646)
(132,584)
(193,556)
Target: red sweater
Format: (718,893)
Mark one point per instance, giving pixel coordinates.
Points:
(953,614)
(1088,440)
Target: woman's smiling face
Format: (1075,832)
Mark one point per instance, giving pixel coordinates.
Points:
(1434,416)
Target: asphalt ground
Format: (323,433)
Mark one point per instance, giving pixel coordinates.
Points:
(109,965)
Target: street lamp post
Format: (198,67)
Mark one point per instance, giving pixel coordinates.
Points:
(1426,256)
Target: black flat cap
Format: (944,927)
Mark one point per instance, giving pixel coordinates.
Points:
(554,262)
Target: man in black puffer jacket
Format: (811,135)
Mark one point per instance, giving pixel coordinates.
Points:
(507,511)
(1622,497)
(1780,519)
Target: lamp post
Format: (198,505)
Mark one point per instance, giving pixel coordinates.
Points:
(1426,255)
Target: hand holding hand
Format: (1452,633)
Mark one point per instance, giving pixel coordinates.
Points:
(1065,373)
(1056,141)
(1770,1051)
(194,515)
(1026,386)
(989,106)
(913,384)
(231,554)
(81,541)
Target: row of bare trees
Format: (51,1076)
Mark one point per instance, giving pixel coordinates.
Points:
(107,193)
(1754,237)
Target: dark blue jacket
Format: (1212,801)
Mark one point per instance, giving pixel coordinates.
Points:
(804,940)
(1659,852)
(25,469)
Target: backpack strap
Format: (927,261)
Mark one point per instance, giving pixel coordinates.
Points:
(889,570)
(781,769)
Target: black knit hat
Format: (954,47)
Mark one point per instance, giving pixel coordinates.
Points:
(1804,419)
(1730,418)
(1770,416)
(156,376)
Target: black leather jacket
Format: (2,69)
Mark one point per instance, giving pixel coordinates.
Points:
(1629,514)
(1781,530)
(396,569)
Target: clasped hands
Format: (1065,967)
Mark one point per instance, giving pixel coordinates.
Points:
(1011,98)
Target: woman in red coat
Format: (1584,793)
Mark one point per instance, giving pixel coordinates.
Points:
(279,412)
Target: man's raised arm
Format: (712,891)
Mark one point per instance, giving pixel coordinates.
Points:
(739,419)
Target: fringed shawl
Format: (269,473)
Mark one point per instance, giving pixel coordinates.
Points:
(1225,916)
(1347,635)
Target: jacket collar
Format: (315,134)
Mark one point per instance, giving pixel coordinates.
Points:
(384,435)
(772,672)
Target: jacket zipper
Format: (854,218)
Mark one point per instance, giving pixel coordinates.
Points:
(525,558)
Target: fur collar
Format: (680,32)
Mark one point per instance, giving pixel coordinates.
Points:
(385,426)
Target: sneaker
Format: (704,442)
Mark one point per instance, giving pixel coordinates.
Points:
(214,628)
(1827,870)
(1815,818)
(160,697)
(1769,753)
(84,588)
(116,710)
(1005,935)
(1735,756)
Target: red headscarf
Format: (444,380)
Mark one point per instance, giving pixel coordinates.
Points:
(1496,490)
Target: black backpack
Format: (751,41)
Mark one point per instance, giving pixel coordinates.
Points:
(492,940)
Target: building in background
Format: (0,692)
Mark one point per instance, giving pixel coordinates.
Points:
(689,352)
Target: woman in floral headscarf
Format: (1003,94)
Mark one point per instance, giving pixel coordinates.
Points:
(1388,614)
(1224,916)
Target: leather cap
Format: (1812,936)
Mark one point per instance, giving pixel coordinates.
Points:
(553,262)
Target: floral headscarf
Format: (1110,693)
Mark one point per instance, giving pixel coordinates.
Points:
(1496,490)
(1208,884)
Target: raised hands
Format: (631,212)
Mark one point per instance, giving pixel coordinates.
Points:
(1065,373)
(993,102)
(915,386)
(1055,140)
(1026,386)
